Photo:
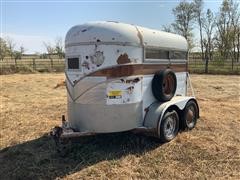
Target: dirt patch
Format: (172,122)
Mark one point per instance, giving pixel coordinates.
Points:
(30,107)
(60,84)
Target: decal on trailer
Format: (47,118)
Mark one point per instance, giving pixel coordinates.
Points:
(124,91)
(115,94)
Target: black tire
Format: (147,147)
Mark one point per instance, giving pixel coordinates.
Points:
(190,115)
(169,126)
(164,85)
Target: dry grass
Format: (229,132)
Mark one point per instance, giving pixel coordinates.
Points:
(31,106)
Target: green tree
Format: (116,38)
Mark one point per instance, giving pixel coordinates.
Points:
(50,51)
(199,17)
(235,32)
(208,24)
(184,14)
(3,49)
(17,54)
(168,28)
(59,49)
(11,46)
(228,24)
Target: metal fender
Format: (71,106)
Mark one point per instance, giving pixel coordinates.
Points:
(156,111)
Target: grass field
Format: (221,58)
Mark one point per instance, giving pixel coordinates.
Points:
(31,106)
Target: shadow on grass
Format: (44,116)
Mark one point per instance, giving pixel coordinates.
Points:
(38,159)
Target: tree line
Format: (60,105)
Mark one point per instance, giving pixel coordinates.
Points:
(219,33)
(8,49)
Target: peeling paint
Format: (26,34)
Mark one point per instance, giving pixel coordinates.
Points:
(139,35)
(123,59)
(94,61)
(133,80)
(97,58)
(85,64)
(133,60)
(86,29)
(136,80)
(130,89)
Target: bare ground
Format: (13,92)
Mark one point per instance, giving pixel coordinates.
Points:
(32,104)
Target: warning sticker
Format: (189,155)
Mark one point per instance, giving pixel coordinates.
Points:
(115,93)
(123,92)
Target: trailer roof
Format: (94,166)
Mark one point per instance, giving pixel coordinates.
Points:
(109,32)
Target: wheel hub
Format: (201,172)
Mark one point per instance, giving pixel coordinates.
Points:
(169,127)
(190,116)
(168,85)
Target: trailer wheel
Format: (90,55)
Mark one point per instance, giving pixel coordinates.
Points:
(190,115)
(164,85)
(169,126)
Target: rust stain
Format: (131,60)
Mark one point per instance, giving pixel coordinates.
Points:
(86,65)
(130,89)
(123,59)
(133,80)
(139,35)
(136,69)
(128,81)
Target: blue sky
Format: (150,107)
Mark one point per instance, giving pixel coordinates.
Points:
(29,23)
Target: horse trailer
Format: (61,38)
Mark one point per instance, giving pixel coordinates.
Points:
(123,77)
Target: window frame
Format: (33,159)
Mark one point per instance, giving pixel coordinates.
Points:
(174,52)
(160,52)
(169,59)
(79,63)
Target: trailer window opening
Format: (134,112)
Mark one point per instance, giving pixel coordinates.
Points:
(157,54)
(178,55)
(73,63)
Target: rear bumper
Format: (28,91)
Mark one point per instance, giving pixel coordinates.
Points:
(65,132)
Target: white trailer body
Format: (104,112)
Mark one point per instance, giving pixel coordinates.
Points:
(109,71)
